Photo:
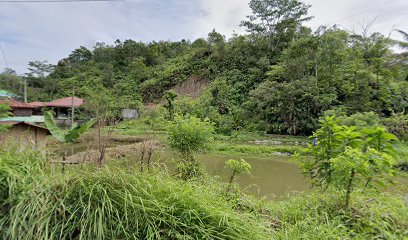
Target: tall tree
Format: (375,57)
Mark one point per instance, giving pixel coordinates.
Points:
(276,19)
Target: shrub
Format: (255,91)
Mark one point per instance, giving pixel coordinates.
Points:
(188,135)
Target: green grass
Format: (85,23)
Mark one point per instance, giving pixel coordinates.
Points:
(141,127)
(253,150)
(244,136)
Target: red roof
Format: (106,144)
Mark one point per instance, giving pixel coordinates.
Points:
(63,102)
(38,104)
(17,104)
(66,102)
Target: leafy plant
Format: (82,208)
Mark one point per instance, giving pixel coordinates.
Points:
(344,154)
(170,97)
(66,136)
(364,166)
(236,168)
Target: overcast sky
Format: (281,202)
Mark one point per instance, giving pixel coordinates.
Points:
(50,31)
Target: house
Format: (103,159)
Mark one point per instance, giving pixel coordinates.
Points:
(20,109)
(24,133)
(62,107)
(21,112)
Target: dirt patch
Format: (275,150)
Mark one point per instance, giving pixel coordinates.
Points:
(122,151)
(192,87)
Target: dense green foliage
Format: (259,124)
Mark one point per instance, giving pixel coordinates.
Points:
(279,78)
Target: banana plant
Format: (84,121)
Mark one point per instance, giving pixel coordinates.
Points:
(66,136)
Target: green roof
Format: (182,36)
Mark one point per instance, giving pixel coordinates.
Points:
(30,119)
(4,93)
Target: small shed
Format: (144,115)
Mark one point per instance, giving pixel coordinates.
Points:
(130,113)
(24,133)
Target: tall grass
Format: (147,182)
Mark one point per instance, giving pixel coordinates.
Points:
(113,203)
(18,170)
(117,204)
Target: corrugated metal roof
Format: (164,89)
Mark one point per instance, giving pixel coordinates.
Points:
(38,104)
(66,102)
(16,104)
(30,119)
(63,102)
(4,93)
(23,123)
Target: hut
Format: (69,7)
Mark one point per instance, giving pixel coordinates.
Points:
(24,133)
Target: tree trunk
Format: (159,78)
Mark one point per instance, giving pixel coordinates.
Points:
(349,187)
(231,180)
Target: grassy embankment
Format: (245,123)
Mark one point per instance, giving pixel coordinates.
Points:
(116,202)
(240,143)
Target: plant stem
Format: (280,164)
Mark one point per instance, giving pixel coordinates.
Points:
(349,187)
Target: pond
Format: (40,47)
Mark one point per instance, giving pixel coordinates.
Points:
(273,175)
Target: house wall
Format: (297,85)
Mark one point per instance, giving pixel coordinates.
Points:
(22,112)
(22,134)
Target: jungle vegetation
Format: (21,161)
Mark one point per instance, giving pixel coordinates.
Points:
(279,78)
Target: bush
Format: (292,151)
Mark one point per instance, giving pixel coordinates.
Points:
(188,135)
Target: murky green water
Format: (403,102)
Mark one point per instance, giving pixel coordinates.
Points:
(273,175)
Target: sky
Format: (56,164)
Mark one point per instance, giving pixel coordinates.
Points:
(50,31)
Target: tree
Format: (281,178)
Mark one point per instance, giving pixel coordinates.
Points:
(66,136)
(403,44)
(102,107)
(355,166)
(276,19)
(40,68)
(189,135)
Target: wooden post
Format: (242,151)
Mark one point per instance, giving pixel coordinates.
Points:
(72,107)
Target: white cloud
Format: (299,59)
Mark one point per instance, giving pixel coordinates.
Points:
(50,31)
(223,15)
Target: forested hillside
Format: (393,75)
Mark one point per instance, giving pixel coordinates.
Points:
(280,77)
